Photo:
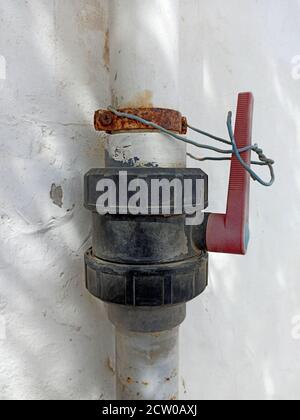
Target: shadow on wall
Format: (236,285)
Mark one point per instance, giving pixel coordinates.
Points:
(244,322)
(58,342)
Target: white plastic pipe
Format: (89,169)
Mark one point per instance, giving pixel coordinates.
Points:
(144,66)
(144,63)
(147,365)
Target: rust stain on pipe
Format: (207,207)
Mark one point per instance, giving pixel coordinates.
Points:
(106,57)
(143,99)
(145,383)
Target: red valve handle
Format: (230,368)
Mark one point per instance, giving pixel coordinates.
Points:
(229,233)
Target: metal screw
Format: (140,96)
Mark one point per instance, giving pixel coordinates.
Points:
(106,118)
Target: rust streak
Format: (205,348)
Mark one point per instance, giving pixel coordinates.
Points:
(106,58)
(109,364)
(143,99)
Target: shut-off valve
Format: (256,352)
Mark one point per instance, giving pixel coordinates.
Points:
(158,260)
(139,261)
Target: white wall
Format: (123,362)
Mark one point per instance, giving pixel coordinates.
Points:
(239,340)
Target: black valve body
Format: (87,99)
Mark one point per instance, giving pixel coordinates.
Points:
(145,260)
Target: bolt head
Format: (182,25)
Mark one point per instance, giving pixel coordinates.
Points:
(106,118)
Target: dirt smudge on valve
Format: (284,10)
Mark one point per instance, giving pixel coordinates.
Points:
(143,99)
(56,195)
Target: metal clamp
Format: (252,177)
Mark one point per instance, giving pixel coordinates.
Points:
(167,118)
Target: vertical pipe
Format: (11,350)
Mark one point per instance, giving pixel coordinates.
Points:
(144,66)
(147,365)
(144,56)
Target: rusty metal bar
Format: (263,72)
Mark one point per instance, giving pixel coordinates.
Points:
(167,118)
